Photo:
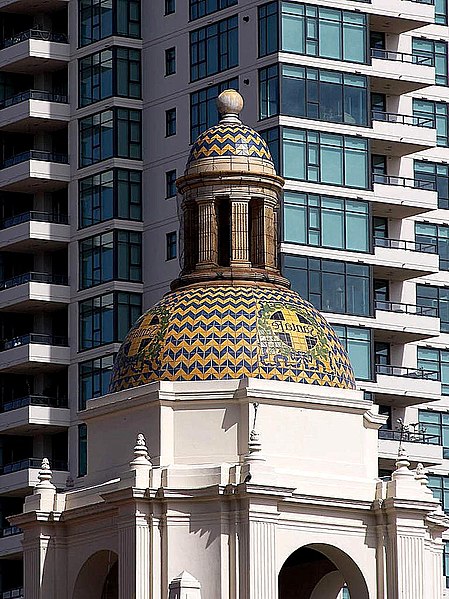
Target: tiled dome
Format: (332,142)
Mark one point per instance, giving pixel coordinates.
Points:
(212,332)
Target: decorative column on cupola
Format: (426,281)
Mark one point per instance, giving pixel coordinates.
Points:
(231,196)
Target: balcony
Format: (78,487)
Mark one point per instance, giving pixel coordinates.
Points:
(32,110)
(397,73)
(34,352)
(400,197)
(399,259)
(11,541)
(34,290)
(403,386)
(13,594)
(419,446)
(27,171)
(23,6)
(400,134)
(21,476)
(27,415)
(403,323)
(33,231)
(34,50)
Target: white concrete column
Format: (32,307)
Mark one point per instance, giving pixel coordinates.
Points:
(262,558)
(134,558)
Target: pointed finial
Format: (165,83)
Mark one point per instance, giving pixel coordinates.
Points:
(230,105)
(420,474)
(45,475)
(141,451)
(254,444)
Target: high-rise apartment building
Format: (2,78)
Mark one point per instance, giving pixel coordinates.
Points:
(99,100)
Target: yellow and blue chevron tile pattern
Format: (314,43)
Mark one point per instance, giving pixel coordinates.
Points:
(229,140)
(232,332)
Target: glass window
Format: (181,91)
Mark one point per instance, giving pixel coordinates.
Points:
(433,176)
(436,364)
(441,12)
(111,133)
(357,343)
(325,158)
(314,93)
(99,19)
(170,61)
(112,72)
(171,244)
(170,122)
(116,193)
(108,256)
(268,28)
(434,301)
(107,318)
(214,48)
(94,377)
(170,7)
(324,32)
(435,427)
(82,450)
(170,184)
(432,52)
(433,114)
(439,485)
(433,239)
(203,107)
(326,221)
(272,137)
(446,562)
(200,8)
(331,286)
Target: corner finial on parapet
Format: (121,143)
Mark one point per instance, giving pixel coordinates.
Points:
(230,105)
(420,474)
(45,476)
(141,451)
(254,444)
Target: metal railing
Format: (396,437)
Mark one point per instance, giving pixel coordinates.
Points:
(402,57)
(403,244)
(35,155)
(33,400)
(405,372)
(33,94)
(10,531)
(16,593)
(392,180)
(33,277)
(34,34)
(399,307)
(33,338)
(431,2)
(403,119)
(26,217)
(409,436)
(35,463)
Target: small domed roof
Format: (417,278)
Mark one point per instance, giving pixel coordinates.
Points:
(212,332)
(230,137)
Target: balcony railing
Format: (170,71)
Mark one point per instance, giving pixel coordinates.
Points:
(33,94)
(409,373)
(34,34)
(39,338)
(59,465)
(10,531)
(402,181)
(35,155)
(402,244)
(13,593)
(431,2)
(402,57)
(33,400)
(26,217)
(409,436)
(403,119)
(399,307)
(33,277)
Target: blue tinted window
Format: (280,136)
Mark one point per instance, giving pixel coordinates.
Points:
(214,48)
(203,106)
(268,28)
(99,19)
(94,378)
(357,343)
(200,8)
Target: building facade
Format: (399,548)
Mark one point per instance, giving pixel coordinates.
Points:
(99,102)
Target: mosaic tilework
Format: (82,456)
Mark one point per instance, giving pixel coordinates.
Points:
(231,332)
(229,140)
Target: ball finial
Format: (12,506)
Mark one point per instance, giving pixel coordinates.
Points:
(229,102)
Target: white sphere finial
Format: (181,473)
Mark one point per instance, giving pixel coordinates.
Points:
(229,104)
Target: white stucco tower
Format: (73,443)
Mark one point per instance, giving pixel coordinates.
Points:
(254,468)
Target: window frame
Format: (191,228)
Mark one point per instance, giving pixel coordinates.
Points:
(203,106)
(113,28)
(170,184)
(82,450)
(221,5)
(94,378)
(203,53)
(171,245)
